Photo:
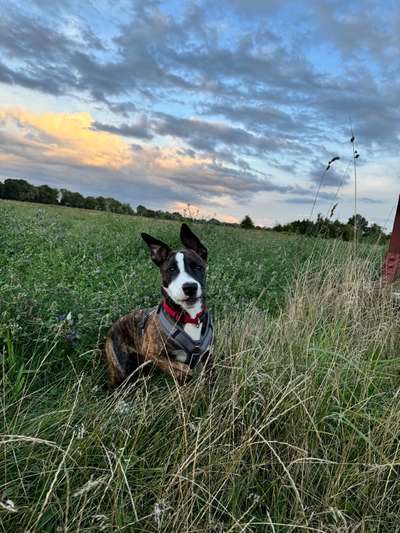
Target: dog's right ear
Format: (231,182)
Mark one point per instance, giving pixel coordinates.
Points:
(158,250)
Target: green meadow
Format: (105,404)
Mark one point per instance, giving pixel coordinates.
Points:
(298,431)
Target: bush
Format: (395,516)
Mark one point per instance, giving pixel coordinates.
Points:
(247,223)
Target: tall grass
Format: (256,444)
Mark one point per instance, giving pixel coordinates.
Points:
(297,429)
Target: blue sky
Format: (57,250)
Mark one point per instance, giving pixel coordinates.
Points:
(234,107)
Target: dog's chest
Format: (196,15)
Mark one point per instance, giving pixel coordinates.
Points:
(194,332)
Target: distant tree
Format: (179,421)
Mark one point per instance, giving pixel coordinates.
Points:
(375,233)
(347,232)
(101,204)
(247,223)
(361,224)
(141,211)
(16,189)
(46,195)
(127,209)
(72,199)
(19,189)
(112,205)
(90,202)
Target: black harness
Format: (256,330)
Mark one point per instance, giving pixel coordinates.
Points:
(178,339)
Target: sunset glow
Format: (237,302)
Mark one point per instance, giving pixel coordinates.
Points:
(235,107)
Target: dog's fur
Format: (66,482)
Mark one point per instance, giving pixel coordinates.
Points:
(132,343)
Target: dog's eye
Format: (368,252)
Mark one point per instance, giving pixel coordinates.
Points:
(199,268)
(172,269)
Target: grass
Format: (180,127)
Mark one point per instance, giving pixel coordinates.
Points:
(298,432)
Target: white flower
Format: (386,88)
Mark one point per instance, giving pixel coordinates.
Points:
(7,504)
(192,427)
(122,407)
(255,497)
(159,509)
(79,431)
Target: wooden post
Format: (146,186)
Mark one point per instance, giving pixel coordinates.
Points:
(391,263)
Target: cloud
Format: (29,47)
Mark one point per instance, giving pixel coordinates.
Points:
(69,140)
(269,117)
(154,54)
(366,200)
(66,144)
(299,201)
(234,98)
(140,129)
(208,135)
(68,137)
(329,178)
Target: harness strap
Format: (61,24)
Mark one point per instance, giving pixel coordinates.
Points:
(178,339)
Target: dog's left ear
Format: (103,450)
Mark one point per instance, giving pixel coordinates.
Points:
(190,240)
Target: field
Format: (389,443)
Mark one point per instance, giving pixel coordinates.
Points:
(298,432)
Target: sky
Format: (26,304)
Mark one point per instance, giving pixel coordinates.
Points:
(231,108)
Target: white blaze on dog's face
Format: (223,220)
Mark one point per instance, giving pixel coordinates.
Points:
(185,285)
(183,273)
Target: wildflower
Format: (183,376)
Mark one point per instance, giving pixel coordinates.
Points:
(159,509)
(254,496)
(65,318)
(122,407)
(7,504)
(192,427)
(79,431)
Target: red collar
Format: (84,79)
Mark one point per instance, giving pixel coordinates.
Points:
(183,316)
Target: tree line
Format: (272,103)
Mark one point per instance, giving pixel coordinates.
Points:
(23,191)
(334,229)
(19,189)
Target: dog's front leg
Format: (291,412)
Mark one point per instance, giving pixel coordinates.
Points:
(181,372)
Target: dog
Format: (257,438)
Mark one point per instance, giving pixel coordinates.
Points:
(177,335)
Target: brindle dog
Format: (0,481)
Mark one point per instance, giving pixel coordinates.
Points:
(139,340)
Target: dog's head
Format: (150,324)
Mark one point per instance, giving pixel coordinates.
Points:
(183,273)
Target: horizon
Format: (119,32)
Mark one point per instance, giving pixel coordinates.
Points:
(188,212)
(235,109)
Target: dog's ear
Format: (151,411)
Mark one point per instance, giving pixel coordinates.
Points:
(190,240)
(158,250)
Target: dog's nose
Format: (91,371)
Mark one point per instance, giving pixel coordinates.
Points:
(189,289)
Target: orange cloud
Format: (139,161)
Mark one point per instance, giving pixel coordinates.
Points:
(67,136)
(65,142)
